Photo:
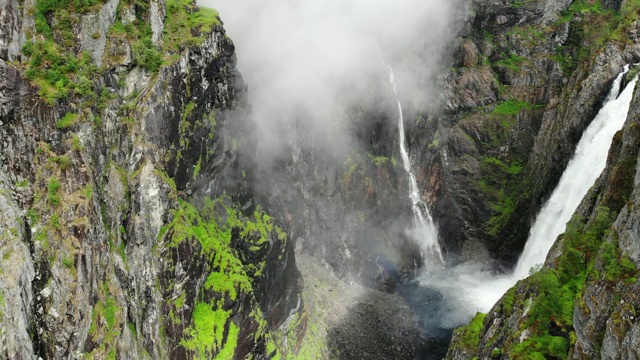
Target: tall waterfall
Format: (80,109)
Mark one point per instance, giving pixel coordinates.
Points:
(424,232)
(584,168)
(479,287)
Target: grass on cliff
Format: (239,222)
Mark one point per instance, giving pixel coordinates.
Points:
(497,185)
(187,24)
(59,72)
(215,226)
(550,318)
(513,107)
(207,334)
(468,336)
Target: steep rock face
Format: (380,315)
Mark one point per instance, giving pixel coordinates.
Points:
(129,229)
(527,77)
(582,303)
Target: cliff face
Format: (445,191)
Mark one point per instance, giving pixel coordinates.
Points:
(526,79)
(128,225)
(582,303)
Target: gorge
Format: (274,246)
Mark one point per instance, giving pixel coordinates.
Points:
(411,179)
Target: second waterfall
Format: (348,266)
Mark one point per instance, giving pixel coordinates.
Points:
(424,231)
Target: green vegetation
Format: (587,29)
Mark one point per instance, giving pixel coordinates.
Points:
(76,143)
(52,191)
(469,335)
(511,62)
(379,160)
(53,64)
(146,55)
(106,324)
(497,184)
(358,175)
(558,289)
(213,227)
(63,161)
(616,266)
(186,25)
(54,70)
(67,262)
(196,168)
(206,336)
(513,107)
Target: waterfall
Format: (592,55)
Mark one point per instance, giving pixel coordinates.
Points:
(585,167)
(424,232)
(479,287)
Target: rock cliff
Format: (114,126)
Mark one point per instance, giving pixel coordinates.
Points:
(129,229)
(136,222)
(526,79)
(582,303)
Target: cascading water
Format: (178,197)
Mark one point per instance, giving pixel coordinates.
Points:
(425,231)
(469,286)
(584,168)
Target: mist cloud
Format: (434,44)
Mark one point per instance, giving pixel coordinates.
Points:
(308,61)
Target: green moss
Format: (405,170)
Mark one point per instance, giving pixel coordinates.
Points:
(63,161)
(225,282)
(187,110)
(187,25)
(67,262)
(52,191)
(68,120)
(616,266)
(511,62)
(513,107)
(230,275)
(196,169)
(229,348)
(469,335)
(207,334)
(179,302)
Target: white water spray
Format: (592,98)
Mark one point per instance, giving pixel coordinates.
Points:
(585,167)
(424,231)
